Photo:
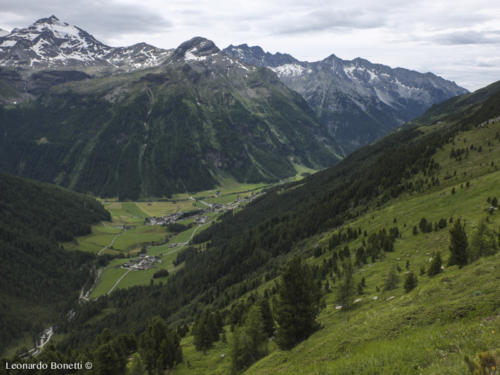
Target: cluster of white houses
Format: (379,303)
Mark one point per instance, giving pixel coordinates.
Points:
(143,262)
(202,218)
(163,220)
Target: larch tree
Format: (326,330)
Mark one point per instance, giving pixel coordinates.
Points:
(459,245)
(298,304)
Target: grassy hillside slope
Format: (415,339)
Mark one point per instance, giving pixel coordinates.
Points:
(429,330)
(447,317)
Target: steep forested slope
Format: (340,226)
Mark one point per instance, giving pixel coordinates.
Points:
(39,279)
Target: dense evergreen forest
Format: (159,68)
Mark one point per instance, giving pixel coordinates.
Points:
(38,279)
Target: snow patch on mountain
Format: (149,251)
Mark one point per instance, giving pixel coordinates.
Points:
(405,91)
(373,75)
(7,43)
(288,70)
(191,56)
(349,70)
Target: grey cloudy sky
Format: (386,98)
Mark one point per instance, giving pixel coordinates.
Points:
(456,39)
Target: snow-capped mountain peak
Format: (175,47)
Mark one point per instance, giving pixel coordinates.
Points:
(59,28)
(50,42)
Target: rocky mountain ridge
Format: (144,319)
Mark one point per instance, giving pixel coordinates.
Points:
(357,101)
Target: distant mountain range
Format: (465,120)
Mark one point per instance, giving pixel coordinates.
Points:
(51,43)
(182,126)
(144,121)
(356,100)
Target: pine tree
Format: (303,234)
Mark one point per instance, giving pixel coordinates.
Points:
(346,291)
(249,343)
(297,305)
(107,361)
(267,317)
(458,245)
(435,266)
(483,242)
(240,355)
(392,279)
(206,331)
(159,347)
(494,202)
(410,282)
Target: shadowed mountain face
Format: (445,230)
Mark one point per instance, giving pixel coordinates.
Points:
(357,101)
(174,128)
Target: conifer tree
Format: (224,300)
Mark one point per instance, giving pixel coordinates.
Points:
(206,331)
(483,242)
(267,317)
(107,361)
(410,282)
(249,343)
(494,202)
(346,288)
(297,305)
(159,347)
(392,279)
(435,266)
(458,245)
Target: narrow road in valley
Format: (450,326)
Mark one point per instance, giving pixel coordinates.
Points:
(118,281)
(192,235)
(202,202)
(183,244)
(111,243)
(205,203)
